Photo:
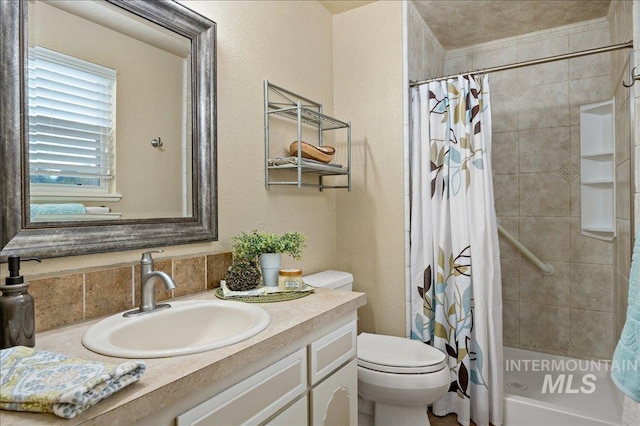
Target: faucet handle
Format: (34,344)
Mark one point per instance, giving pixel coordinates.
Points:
(146,256)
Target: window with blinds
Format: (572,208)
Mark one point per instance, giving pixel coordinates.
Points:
(71,106)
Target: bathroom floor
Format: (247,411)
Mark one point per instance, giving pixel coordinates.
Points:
(448,420)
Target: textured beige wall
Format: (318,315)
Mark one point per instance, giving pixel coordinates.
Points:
(368,91)
(289,43)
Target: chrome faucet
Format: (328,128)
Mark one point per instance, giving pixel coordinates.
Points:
(148,279)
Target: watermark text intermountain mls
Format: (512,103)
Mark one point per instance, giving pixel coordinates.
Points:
(570,376)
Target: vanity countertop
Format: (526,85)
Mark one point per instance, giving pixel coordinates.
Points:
(167,379)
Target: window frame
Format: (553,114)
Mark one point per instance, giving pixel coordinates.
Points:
(105,191)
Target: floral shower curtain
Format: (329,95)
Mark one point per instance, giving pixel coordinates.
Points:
(456,302)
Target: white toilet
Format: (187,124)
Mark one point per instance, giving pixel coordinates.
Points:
(397,377)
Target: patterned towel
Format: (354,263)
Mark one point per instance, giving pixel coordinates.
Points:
(626,358)
(45,382)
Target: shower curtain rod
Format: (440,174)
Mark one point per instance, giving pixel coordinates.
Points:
(610,48)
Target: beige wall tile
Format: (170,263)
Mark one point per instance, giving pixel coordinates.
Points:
(457,64)
(553,45)
(592,287)
(504,152)
(623,242)
(108,291)
(510,280)
(575,144)
(588,91)
(587,249)
(495,57)
(622,134)
(543,150)
(576,198)
(544,73)
(592,333)
(551,290)
(189,275)
(217,265)
(589,39)
(501,80)
(505,106)
(544,194)
(544,327)
(547,237)
(544,105)
(505,193)
(623,190)
(589,66)
(57,301)
(511,323)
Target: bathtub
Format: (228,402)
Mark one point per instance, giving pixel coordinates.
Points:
(542,389)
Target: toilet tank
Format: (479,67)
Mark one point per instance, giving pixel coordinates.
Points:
(337,280)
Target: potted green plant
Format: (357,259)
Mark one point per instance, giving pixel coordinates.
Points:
(267,247)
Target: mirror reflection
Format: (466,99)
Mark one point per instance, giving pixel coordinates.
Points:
(109,116)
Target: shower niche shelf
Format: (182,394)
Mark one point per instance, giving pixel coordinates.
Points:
(597,170)
(301,114)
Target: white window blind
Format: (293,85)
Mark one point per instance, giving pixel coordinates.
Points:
(71,119)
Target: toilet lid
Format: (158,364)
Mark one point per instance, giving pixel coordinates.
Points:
(391,354)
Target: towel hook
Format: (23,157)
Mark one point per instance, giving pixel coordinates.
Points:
(634,77)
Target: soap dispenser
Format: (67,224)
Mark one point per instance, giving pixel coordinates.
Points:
(17,326)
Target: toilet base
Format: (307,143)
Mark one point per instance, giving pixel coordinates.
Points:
(378,414)
(387,415)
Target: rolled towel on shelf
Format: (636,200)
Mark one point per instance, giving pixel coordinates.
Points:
(46,382)
(283,161)
(98,210)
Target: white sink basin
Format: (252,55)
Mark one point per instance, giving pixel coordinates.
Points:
(186,327)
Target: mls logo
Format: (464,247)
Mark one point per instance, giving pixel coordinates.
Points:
(563,383)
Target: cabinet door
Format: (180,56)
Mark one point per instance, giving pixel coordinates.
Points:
(334,402)
(331,351)
(296,415)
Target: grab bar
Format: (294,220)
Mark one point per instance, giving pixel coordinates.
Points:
(546,268)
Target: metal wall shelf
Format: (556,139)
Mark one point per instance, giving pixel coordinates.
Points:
(291,106)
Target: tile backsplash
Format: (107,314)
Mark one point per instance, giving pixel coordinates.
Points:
(91,293)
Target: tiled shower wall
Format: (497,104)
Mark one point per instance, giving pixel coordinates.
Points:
(536,164)
(425,53)
(92,293)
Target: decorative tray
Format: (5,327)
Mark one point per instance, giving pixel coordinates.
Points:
(261,294)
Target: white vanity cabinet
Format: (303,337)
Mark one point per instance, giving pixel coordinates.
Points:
(314,385)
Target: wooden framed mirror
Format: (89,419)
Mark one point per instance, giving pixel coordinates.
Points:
(196,219)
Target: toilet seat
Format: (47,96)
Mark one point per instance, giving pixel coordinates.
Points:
(392,354)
